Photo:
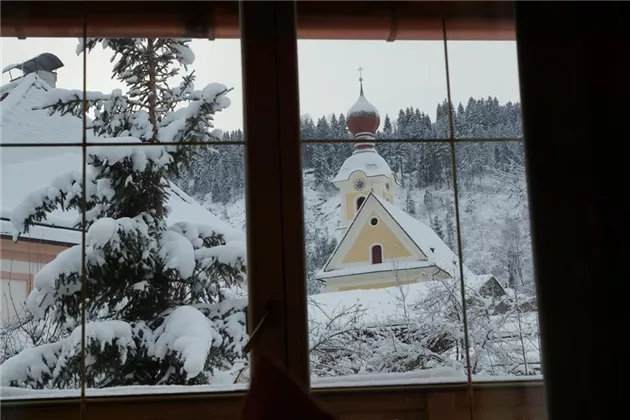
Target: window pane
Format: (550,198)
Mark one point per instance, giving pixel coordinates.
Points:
(183,322)
(166,275)
(502,310)
(405,80)
(485,89)
(383,277)
(33,67)
(494,218)
(202,76)
(40,343)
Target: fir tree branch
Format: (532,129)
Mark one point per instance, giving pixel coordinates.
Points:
(64,192)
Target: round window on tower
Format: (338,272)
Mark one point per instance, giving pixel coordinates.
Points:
(374,221)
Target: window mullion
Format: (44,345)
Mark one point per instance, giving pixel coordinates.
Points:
(276,279)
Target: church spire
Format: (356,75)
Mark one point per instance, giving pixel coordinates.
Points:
(365,171)
(360,70)
(363,119)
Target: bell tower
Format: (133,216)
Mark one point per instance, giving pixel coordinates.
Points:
(365,170)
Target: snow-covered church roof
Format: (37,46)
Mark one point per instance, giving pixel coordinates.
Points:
(425,238)
(362,106)
(24,169)
(363,117)
(437,253)
(367,161)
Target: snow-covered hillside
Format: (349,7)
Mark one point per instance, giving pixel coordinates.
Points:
(493,215)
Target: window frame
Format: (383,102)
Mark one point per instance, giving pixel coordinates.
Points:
(273,270)
(382,20)
(372,248)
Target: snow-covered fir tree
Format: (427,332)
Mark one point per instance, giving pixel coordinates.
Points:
(216,174)
(410,204)
(428,200)
(159,304)
(450,227)
(436,225)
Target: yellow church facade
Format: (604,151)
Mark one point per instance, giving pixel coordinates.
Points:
(377,251)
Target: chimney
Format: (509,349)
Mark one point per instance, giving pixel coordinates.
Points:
(44,65)
(49,77)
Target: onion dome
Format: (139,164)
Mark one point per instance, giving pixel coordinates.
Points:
(363,120)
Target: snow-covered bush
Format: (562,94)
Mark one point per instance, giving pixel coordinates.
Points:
(502,337)
(156,296)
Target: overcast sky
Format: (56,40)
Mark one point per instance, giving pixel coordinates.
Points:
(396,75)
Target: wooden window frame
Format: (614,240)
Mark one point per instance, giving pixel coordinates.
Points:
(276,262)
(374,20)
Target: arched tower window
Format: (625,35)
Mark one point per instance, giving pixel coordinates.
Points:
(360,201)
(377,254)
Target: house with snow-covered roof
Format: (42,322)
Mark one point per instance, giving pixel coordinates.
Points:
(382,246)
(26,170)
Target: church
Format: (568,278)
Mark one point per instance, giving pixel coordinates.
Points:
(381,246)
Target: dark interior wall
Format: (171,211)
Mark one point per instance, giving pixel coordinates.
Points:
(574,71)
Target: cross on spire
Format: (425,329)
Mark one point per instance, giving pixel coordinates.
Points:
(360,70)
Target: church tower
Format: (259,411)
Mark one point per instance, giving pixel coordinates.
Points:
(365,170)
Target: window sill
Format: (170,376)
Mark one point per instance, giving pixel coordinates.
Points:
(515,399)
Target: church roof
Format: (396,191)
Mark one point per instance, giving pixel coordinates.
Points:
(25,169)
(362,106)
(363,117)
(425,239)
(367,161)
(373,268)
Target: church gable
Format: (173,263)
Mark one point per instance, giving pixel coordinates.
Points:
(373,227)
(378,234)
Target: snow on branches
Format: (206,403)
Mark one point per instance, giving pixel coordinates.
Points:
(118,115)
(216,327)
(156,303)
(187,337)
(65,192)
(359,333)
(151,110)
